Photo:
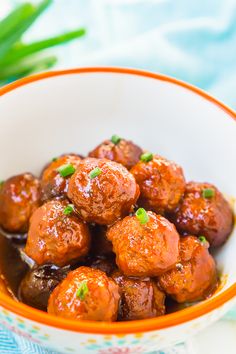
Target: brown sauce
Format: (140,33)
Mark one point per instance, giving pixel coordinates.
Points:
(12,267)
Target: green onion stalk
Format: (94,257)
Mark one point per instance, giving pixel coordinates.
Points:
(19,59)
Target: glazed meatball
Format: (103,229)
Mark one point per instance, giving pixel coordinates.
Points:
(144,249)
(101,246)
(194,277)
(39,282)
(86,294)
(161,183)
(52,182)
(55,236)
(204,211)
(19,198)
(102,191)
(119,150)
(140,298)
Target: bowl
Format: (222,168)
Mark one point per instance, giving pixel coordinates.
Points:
(73,110)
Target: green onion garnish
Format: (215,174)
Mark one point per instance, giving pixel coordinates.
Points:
(115,139)
(82,291)
(66,170)
(146,157)
(208,193)
(95,172)
(1,184)
(142,216)
(68,209)
(54,159)
(202,239)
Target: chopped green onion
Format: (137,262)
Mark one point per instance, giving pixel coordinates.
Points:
(1,184)
(115,139)
(202,239)
(146,157)
(142,216)
(66,170)
(54,159)
(95,172)
(68,209)
(82,291)
(208,193)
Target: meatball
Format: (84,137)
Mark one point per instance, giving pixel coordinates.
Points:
(39,282)
(140,298)
(161,183)
(144,249)
(100,244)
(86,294)
(102,191)
(52,182)
(55,236)
(119,150)
(19,198)
(194,277)
(204,211)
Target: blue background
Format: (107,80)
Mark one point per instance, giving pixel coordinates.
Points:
(194,40)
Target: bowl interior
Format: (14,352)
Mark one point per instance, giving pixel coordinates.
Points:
(74,112)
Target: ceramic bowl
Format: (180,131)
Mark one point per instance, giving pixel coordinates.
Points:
(51,113)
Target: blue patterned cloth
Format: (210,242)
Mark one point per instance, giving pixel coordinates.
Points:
(192,40)
(13,344)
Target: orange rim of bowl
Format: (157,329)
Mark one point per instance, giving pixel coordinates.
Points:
(117,328)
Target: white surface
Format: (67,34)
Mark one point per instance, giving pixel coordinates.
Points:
(217,339)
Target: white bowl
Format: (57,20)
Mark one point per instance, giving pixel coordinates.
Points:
(72,111)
